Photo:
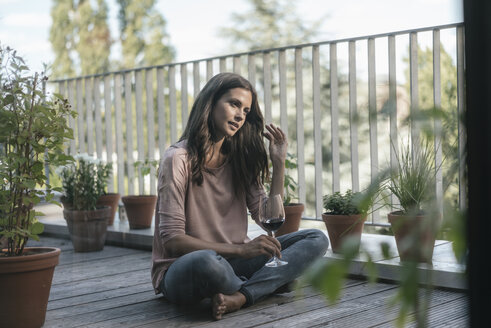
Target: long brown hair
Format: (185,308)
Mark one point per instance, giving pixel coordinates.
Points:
(245,149)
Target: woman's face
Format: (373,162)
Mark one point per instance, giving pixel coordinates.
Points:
(230,111)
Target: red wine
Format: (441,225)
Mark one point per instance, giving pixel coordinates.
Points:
(273,224)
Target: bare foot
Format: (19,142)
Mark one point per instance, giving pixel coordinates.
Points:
(222,304)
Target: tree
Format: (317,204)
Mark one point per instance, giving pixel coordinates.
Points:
(61,38)
(144,39)
(80,34)
(269,23)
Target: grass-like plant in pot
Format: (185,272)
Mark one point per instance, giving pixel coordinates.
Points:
(416,220)
(140,209)
(84,181)
(33,130)
(345,216)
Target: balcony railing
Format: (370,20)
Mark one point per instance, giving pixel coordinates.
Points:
(341,102)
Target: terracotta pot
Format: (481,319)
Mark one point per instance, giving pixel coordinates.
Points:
(25,283)
(111,200)
(293,216)
(340,227)
(414,235)
(88,228)
(140,210)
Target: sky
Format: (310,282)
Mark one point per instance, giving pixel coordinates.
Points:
(194,24)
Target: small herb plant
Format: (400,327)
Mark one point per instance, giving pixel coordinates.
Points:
(146,166)
(33,130)
(343,204)
(83,182)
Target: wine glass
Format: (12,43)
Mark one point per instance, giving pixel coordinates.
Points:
(272,216)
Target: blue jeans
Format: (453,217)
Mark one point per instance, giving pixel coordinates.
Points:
(201,274)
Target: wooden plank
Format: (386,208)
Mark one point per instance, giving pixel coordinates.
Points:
(353,118)
(69,257)
(150,127)
(283,95)
(102,267)
(118,118)
(333,65)
(316,103)
(140,144)
(89,107)
(98,118)
(300,125)
(162,128)
(267,87)
(109,129)
(129,132)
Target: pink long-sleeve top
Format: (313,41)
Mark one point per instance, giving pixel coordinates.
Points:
(211,212)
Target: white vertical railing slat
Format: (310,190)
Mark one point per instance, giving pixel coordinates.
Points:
(333,65)
(72,122)
(98,117)
(267,87)
(161,111)
(140,144)
(173,103)
(300,125)
(437,101)
(118,120)
(393,108)
(283,99)
(184,95)
(81,117)
(108,129)
(90,116)
(128,99)
(251,69)
(413,77)
(316,103)
(353,117)
(150,126)
(372,116)
(237,65)
(209,70)
(196,79)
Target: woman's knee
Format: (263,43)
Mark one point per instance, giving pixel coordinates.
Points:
(319,240)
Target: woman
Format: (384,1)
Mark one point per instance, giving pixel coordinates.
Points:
(207,182)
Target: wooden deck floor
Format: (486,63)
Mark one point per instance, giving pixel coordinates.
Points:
(112,288)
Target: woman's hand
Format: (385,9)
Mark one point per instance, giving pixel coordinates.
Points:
(262,245)
(278,144)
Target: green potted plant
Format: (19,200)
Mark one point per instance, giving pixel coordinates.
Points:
(84,181)
(345,216)
(293,211)
(140,209)
(110,199)
(33,129)
(415,221)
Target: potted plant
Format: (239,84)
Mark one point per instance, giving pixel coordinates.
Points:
(83,183)
(345,216)
(140,209)
(108,199)
(33,129)
(293,211)
(415,222)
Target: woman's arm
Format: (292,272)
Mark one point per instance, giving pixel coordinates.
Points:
(262,245)
(277,152)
